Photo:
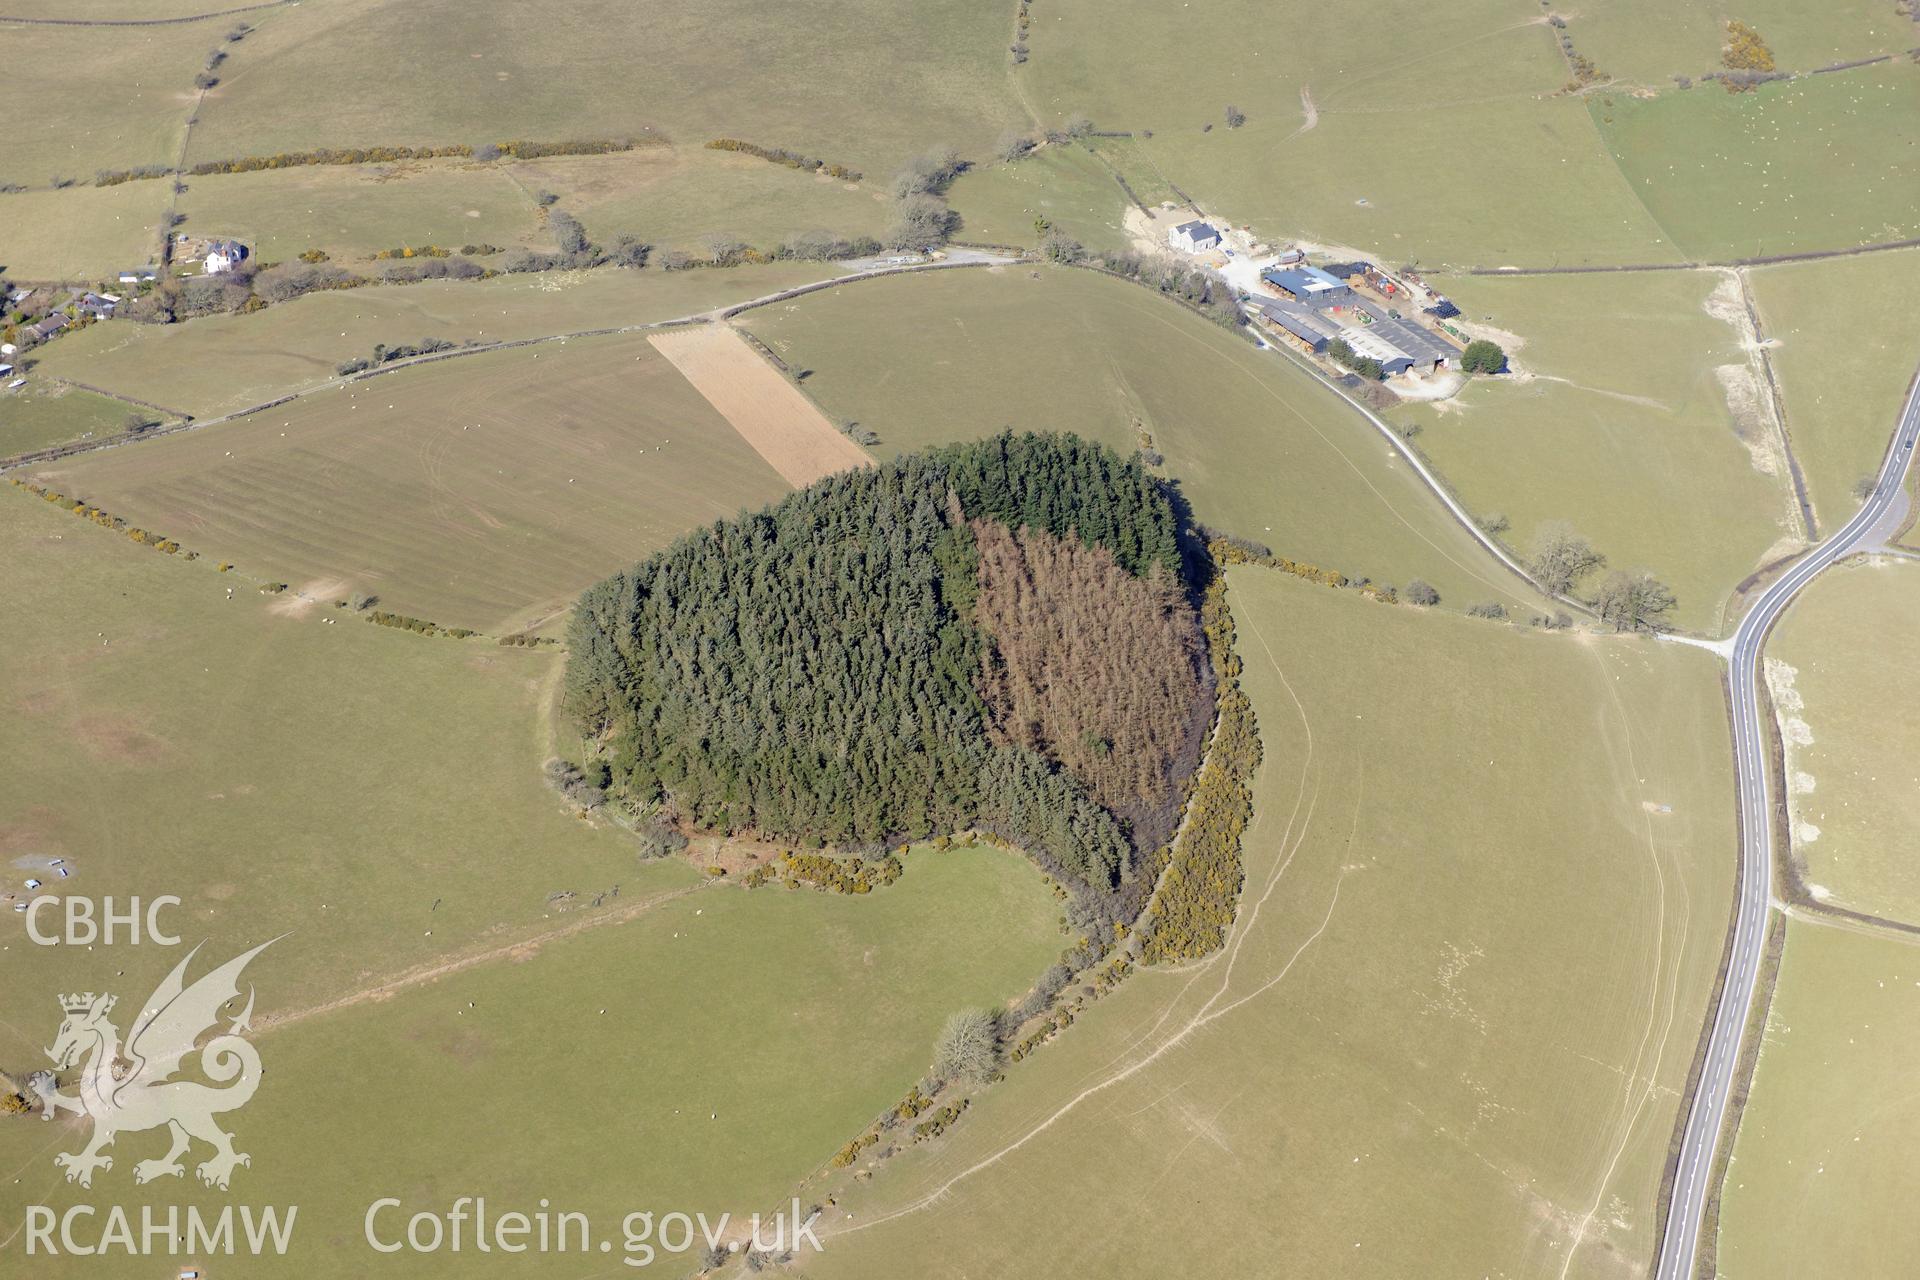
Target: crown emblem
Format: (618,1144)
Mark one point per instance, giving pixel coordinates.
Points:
(84,1003)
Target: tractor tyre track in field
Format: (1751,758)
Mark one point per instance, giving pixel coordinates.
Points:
(1208,1012)
(433,971)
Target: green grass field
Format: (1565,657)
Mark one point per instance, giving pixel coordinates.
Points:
(1822,163)
(1489,869)
(1439,135)
(123,11)
(745,1036)
(1817,1181)
(1629,438)
(1854,793)
(1433,137)
(275,771)
(678,197)
(377,797)
(1447,1037)
(43,413)
(1127,157)
(1848,342)
(353,211)
(673,197)
(1650,41)
(218,364)
(114,98)
(1258,448)
(484,491)
(81,233)
(859,83)
(1067,185)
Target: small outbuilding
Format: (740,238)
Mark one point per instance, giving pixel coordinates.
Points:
(1193,237)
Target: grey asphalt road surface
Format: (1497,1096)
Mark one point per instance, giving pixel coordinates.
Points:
(1680,1247)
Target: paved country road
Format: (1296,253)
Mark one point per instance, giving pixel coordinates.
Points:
(1876,520)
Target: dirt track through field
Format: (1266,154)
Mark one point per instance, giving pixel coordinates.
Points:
(782,425)
(432,971)
(1139,1056)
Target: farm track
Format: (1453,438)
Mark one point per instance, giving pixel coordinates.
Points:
(1431,479)
(713,315)
(433,971)
(1641,1082)
(1142,1058)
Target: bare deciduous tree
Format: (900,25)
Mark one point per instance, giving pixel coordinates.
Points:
(1562,557)
(969,1047)
(1635,601)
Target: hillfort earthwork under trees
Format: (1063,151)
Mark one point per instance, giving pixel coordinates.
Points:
(996,635)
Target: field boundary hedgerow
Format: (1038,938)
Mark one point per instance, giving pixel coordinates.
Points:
(77,447)
(1197,893)
(791,159)
(513,149)
(360,608)
(1805,255)
(518,149)
(799,291)
(1808,525)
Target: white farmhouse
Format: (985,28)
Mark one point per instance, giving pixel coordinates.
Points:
(224,255)
(1193,237)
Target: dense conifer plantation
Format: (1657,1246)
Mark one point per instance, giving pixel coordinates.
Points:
(816,671)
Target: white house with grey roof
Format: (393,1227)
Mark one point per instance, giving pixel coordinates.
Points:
(1193,237)
(224,255)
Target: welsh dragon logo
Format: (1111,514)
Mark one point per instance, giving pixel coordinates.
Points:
(130,1087)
